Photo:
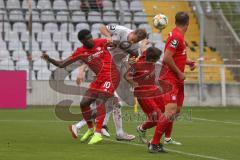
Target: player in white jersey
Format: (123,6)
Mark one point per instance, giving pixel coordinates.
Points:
(126,43)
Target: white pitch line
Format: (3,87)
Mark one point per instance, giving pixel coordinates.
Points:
(170,150)
(212,120)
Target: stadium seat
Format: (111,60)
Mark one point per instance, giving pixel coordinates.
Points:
(94,16)
(107,5)
(15,45)
(54,54)
(78,16)
(136,5)
(3,15)
(96,26)
(47,16)
(67,27)
(48,46)
(35,16)
(19,27)
(43,36)
(66,54)
(63,16)
(60,5)
(26,6)
(81,26)
(130,25)
(44,74)
(109,17)
(7,64)
(51,27)
(74,5)
(64,46)
(140,17)
(95,34)
(76,45)
(122,4)
(39,64)
(127,17)
(11,36)
(19,55)
(5,27)
(13,4)
(147,27)
(59,36)
(16,15)
(73,37)
(37,27)
(3,46)
(33,74)
(44,5)
(155,37)
(36,55)
(4,54)
(2,4)
(35,46)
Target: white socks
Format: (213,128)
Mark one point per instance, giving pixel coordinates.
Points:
(117,118)
(80,124)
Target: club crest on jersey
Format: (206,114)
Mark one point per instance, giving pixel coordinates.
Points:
(112,27)
(174,43)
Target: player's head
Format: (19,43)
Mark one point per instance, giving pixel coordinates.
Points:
(137,35)
(85,37)
(153,54)
(182,19)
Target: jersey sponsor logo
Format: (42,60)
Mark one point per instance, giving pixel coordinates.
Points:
(174,43)
(97,54)
(98,48)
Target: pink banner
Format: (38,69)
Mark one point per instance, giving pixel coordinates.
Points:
(13,89)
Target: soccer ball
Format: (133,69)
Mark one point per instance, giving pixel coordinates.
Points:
(160,21)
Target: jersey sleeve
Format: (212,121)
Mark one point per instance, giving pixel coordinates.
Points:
(76,54)
(112,28)
(173,44)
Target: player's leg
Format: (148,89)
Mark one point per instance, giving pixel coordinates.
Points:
(168,132)
(162,123)
(100,115)
(87,114)
(75,128)
(117,118)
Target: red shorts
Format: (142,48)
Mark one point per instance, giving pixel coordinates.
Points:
(176,95)
(104,86)
(150,105)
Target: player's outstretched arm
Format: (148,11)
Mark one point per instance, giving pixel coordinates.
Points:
(168,59)
(60,63)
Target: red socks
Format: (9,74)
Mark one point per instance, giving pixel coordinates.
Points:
(87,114)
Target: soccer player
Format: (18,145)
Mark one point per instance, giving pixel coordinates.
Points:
(175,58)
(126,43)
(142,76)
(94,54)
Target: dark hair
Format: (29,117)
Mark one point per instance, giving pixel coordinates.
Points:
(141,33)
(153,53)
(83,34)
(181,18)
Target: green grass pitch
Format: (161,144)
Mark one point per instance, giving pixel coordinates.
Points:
(36,134)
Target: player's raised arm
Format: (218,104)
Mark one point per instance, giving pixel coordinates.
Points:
(105,31)
(58,63)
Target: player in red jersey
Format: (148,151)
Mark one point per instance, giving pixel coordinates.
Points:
(93,53)
(175,58)
(149,95)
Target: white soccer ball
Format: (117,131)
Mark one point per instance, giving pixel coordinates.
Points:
(160,21)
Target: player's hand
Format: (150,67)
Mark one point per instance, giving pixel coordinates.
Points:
(181,76)
(132,60)
(80,78)
(45,57)
(192,65)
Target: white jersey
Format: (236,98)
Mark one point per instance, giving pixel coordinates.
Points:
(120,35)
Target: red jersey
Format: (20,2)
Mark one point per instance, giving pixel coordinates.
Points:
(98,59)
(176,44)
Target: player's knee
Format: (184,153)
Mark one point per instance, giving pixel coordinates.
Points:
(85,102)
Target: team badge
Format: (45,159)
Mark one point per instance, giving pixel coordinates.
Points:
(174,43)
